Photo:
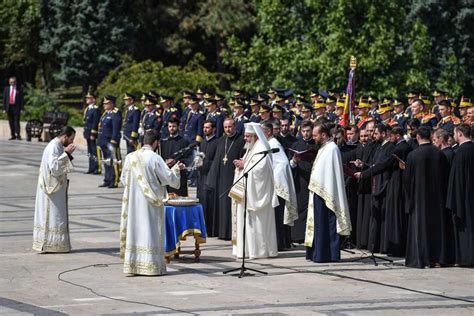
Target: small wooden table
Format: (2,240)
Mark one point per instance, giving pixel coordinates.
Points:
(181,222)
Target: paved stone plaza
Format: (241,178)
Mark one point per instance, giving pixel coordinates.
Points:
(93,282)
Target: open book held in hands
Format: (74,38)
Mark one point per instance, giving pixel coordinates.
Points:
(306,155)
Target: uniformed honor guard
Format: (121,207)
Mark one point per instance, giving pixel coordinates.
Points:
(215,115)
(255,115)
(131,122)
(319,108)
(465,106)
(265,112)
(193,123)
(150,118)
(109,139)
(331,108)
(169,111)
(239,118)
(399,116)
(363,117)
(306,114)
(91,127)
(447,120)
(420,112)
(277,111)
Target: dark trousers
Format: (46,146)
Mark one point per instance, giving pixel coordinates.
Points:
(14,121)
(283,231)
(112,172)
(92,153)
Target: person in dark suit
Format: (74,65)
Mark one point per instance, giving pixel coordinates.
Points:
(13,105)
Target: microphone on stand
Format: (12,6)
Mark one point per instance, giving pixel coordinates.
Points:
(269,151)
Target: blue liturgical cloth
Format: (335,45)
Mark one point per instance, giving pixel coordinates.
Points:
(182,221)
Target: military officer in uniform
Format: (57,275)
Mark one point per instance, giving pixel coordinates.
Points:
(168,111)
(151,117)
(109,140)
(464,105)
(319,108)
(419,111)
(363,109)
(399,116)
(193,122)
(278,111)
(91,127)
(265,112)
(255,106)
(447,120)
(214,114)
(131,122)
(306,113)
(239,118)
(331,108)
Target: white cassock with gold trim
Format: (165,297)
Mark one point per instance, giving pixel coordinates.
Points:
(145,176)
(51,224)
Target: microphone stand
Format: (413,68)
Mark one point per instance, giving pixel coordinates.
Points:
(243,268)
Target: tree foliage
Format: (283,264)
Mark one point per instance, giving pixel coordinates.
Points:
(133,76)
(83,38)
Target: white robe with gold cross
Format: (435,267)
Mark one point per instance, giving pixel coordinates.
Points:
(51,224)
(145,176)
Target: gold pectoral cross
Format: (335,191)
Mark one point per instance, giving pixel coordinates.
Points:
(225,159)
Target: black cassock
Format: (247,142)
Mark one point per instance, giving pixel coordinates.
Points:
(425,179)
(221,177)
(301,174)
(347,152)
(287,141)
(206,194)
(379,179)
(168,147)
(449,153)
(393,224)
(460,201)
(364,202)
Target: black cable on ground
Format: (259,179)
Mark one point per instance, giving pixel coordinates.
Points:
(105,265)
(328,272)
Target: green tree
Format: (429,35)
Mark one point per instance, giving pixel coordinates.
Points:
(19,39)
(84,37)
(450,27)
(133,76)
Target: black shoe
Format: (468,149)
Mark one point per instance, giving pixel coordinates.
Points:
(103,185)
(18,137)
(88,172)
(12,138)
(96,172)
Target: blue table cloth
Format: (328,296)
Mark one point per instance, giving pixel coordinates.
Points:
(180,222)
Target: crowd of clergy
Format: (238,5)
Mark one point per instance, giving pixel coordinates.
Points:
(395,178)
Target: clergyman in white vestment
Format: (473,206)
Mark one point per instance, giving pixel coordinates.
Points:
(260,239)
(51,223)
(145,176)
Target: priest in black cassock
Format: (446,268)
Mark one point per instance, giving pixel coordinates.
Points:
(221,175)
(362,158)
(460,200)
(168,147)
(425,179)
(394,223)
(379,175)
(206,195)
(301,173)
